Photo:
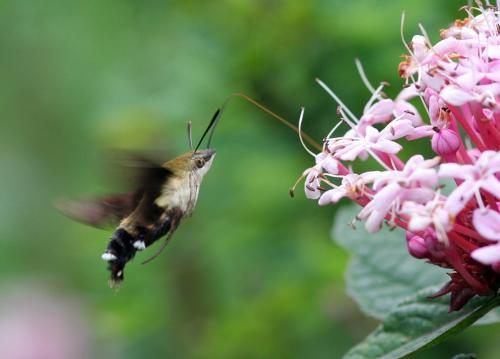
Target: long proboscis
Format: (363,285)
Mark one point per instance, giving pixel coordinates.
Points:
(281,119)
(214,119)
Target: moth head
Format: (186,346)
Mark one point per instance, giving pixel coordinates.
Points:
(192,161)
(196,161)
(201,161)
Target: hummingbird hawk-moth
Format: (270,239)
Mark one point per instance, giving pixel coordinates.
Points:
(165,194)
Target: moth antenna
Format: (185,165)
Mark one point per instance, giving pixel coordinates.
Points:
(190,134)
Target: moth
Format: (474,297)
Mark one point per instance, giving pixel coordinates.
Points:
(165,195)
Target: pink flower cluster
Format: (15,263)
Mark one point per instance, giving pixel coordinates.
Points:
(448,204)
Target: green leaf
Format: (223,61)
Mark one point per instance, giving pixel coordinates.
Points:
(465,356)
(491,318)
(381,273)
(418,324)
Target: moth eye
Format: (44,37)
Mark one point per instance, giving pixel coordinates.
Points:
(200,163)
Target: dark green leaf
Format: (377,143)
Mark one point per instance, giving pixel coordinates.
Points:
(381,273)
(417,324)
(490,318)
(465,356)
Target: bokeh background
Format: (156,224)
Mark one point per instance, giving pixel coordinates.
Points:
(254,273)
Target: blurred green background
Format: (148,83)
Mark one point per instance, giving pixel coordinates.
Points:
(254,273)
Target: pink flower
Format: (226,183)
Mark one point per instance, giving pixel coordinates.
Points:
(355,145)
(352,186)
(394,187)
(417,173)
(375,211)
(477,177)
(324,162)
(433,213)
(457,80)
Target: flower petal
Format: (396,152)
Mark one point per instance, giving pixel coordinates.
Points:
(459,197)
(492,185)
(387,146)
(487,223)
(328,162)
(332,196)
(385,197)
(455,170)
(455,95)
(374,221)
(350,152)
(487,255)
(419,222)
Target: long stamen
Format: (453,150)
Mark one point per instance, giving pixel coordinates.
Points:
(337,99)
(291,191)
(300,133)
(402,33)
(333,129)
(427,38)
(422,100)
(375,96)
(333,176)
(363,76)
(345,119)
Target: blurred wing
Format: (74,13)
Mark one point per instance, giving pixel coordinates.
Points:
(147,178)
(142,174)
(101,212)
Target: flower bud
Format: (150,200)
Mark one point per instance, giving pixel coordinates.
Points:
(445,142)
(416,245)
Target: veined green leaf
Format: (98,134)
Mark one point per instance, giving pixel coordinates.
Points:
(417,324)
(381,273)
